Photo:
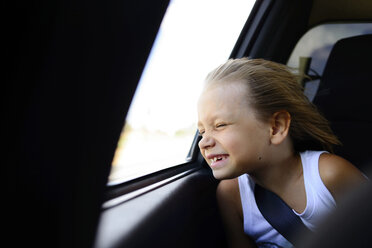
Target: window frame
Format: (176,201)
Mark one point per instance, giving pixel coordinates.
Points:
(311,86)
(194,160)
(118,188)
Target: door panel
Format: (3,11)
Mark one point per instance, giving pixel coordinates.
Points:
(182,213)
(71,68)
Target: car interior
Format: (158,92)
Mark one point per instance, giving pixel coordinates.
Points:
(346,76)
(71,70)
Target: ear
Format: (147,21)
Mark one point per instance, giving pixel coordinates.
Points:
(280,123)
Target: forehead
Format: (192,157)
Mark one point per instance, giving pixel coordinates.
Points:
(223,92)
(222,99)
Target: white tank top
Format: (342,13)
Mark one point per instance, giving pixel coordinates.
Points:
(319,203)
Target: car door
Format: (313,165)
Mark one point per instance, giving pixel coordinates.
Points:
(66,63)
(177,207)
(72,68)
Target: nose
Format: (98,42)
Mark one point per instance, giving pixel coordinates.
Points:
(206,142)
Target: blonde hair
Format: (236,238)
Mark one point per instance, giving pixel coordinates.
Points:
(272,88)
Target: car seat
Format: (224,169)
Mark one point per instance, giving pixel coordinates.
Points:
(344,97)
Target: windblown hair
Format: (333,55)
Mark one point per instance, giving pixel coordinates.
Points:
(272,88)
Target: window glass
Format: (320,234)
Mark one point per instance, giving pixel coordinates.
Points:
(317,44)
(195,36)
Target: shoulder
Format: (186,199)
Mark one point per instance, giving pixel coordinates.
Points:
(228,195)
(338,174)
(228,190)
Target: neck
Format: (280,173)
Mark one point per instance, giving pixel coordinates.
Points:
(280,174)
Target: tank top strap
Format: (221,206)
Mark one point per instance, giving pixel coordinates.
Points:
(310,165)
(319,200)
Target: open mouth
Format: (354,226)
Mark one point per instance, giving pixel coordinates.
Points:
(217,161)
(218,158)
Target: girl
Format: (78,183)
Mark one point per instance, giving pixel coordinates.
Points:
(258,127)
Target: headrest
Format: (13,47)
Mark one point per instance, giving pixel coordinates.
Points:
(345,97)
(345,89)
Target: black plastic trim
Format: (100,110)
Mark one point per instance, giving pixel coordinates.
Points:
(195,161)
(182,213)
(251,28)
(146,180)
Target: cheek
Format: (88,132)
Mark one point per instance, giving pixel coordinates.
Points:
(246,144)
(234,144)
(202,151)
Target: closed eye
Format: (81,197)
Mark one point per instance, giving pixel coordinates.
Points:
(200,133)
(221,125)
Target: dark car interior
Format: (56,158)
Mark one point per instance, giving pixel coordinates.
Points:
(345,81)
(65,64)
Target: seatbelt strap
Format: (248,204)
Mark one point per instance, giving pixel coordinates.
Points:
(279,215)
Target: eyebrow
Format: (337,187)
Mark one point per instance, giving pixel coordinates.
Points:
(209,121)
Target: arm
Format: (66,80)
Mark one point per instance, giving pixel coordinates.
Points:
(228,198)
(339,175)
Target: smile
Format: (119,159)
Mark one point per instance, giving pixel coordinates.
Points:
(218,158)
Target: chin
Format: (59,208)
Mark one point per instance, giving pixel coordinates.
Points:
(218,176)
(222,175)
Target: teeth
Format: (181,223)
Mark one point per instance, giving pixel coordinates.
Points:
(217,158)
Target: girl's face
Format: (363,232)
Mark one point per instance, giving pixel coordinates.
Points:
(233,141)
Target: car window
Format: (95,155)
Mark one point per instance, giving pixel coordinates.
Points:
(195,36)
(317,44)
